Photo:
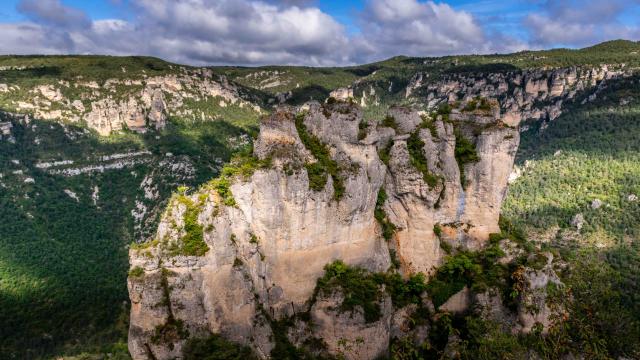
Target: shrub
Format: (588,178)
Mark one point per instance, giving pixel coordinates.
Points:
(452,276)
(388,228)
(243,164)
(415,145)
(437,230)
(446,247)
(253,239)
(390,122)
(395,262)
(484,105)
(362,129)
(404,292)
(172,329)
(192,243)
(471,105)
(317,176)
(363,289)
(215,347)
(222,186)
(444,110)
(136,272)
(478,103)
(465,153)
(358,287)
(427,123)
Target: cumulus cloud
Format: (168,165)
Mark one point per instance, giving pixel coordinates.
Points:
(21,39)
(54,13)
(578,23)
(409,27)
(250,32)
(190,31)
(243,31)
(294,2)
(258,32)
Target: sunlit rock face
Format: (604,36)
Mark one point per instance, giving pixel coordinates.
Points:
(268,248)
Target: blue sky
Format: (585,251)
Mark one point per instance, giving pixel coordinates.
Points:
(310,32)
(509,12)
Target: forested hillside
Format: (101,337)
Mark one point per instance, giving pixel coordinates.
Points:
(578,195)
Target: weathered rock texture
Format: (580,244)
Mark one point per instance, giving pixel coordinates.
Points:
(466,212)
(522,94)
(266,252)
(136,103)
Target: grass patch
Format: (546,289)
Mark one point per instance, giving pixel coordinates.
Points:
(215,347)
(242,165)
(136,272)
(319,171)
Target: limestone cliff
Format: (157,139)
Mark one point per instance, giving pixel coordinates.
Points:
(268,233)
(522,94)
(137,102)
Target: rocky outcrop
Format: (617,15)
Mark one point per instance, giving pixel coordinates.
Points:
(266,234)
(460,196)
(136,103)
(342,93)
(537,308)
(109,115)
(346,334)
(523,94)
(5,130)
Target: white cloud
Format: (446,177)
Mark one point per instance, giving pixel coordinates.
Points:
(252,32)
(246,32)
(579,23)
(53,12)
(257,32)
(30,39)
(410,27)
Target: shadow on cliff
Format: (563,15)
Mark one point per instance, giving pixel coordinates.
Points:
(603,127)
(306,93)
(63,262)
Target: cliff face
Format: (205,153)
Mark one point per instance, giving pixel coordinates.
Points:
(137,102)
(530,94)
(268,244)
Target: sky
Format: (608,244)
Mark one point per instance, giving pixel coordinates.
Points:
(308,32)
